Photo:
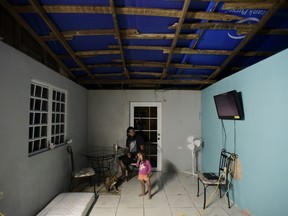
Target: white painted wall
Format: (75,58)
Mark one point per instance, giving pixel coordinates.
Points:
(108,118)
(29,183)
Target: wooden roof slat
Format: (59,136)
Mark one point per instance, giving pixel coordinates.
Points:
(96,52)
(247,5)
(136,47)
(160,36)
(60,37)
(212,16)
(154,74)
(93,32)
(240,27)
(188,76)
(130,11)
(148,81)
(172,65)
(109,75)
(198,51)
(35,36)
(150,64)
(189,66)
(124,35)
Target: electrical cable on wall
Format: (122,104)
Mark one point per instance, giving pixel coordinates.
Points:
(224,136)
(234,137)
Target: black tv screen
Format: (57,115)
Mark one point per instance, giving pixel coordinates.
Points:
(229,105)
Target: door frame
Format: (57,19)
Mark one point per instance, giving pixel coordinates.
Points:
(159,126)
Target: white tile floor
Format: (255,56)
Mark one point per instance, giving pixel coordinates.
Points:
(173,195)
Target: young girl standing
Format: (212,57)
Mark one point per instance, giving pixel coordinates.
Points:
(144,171)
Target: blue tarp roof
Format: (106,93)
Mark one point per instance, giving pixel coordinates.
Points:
(215,39)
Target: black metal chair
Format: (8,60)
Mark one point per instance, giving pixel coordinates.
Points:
(221,180)
(81,173)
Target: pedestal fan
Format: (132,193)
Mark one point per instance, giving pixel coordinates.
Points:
(194,144)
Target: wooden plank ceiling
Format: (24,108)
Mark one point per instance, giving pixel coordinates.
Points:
(165,44)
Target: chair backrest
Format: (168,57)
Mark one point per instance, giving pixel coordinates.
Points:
(70,152)
(225,162)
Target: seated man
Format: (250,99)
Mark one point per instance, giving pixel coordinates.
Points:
(134,143)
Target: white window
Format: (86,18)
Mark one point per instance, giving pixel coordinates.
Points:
(47,117)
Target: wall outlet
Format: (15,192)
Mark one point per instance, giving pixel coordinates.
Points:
(1,195)
(179,147)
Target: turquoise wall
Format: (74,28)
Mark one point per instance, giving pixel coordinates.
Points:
(262,138)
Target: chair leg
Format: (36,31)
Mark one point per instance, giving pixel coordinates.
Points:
(220,189)
(198,188)
(204,205)
(229,206)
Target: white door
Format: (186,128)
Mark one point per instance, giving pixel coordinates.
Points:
(145,117)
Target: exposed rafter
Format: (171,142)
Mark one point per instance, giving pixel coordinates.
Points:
(37,7)
(118,35)
(130,11)
(22,22)
(177,33)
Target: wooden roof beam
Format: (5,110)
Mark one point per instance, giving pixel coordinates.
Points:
(37,7)
(35,36)
(177,33)
(130,11)
(118,35)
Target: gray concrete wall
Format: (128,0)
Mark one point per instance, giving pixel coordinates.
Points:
(108,118)
(29,183)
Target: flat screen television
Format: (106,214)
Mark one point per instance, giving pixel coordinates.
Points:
(229,105)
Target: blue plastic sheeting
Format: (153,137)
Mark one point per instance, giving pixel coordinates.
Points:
(37,24)
(274,43)
(210,39)
(69,21)
(100,42)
